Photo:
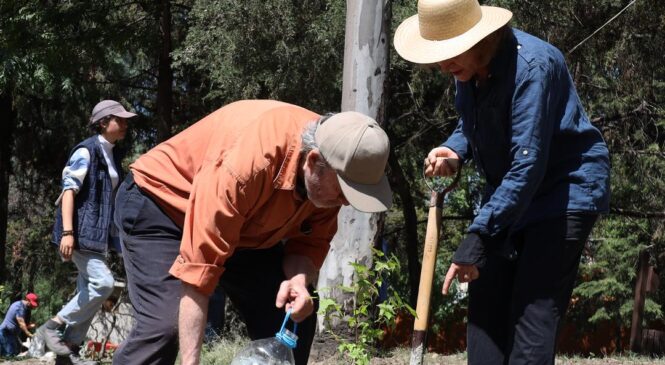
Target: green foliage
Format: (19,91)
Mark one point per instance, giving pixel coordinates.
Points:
(366,319)
(4,301)
(608,269)
(283,50)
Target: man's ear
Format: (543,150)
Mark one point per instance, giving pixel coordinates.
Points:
(313,158)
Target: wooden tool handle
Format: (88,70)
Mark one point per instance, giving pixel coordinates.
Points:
(427,270)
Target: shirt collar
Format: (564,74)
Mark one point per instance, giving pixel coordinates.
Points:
(500,65)
(104,142)
(506,50)
(301,188)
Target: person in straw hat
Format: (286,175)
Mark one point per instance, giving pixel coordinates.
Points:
(546,169)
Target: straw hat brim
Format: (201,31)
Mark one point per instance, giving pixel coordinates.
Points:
(414,48)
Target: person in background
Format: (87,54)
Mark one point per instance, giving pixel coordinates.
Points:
(546,170)
(248,198)
(15,323)
(83,231)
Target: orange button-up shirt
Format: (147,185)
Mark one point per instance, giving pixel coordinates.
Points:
(229,181)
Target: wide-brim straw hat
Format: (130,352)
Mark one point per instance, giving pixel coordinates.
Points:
(443,29)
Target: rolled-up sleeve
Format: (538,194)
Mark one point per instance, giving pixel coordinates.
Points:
(215,214)
(74,172)
(532,128)
(315,243)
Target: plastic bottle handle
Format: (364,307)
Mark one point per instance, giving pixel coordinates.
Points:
(285,336)
(286,319)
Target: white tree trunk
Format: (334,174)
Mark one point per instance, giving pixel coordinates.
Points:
(365,67)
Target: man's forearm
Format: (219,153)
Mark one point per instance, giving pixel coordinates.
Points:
(191,323)
(67,207)
(23,327)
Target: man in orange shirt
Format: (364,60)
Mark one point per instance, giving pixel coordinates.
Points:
(247,197)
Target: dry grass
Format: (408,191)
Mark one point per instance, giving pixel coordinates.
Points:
(222,351)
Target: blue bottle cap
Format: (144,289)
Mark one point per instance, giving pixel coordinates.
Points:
(285,336)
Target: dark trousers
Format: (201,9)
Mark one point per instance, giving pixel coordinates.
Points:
(151,242)
(216,315)
(516,307)
(9,343)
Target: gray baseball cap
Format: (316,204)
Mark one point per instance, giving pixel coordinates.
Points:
(109,107)
(357,149)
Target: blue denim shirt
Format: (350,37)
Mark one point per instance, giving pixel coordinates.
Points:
(527,132)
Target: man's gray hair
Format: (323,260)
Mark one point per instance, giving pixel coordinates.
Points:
(308,136)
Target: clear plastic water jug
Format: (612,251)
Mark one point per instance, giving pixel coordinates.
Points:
(276,350)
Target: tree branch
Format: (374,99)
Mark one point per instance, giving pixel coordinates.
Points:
(638,152)
(635,213)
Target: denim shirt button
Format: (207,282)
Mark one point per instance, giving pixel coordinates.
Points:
(525,152)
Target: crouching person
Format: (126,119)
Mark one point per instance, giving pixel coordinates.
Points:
(247,197)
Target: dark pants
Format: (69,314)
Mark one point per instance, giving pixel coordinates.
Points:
(216,315)
(151,242)
(516,307)
(9,343)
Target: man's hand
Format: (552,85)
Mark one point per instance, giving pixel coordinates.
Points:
(67,247)
(464,274)
(435,164)
(293,294)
